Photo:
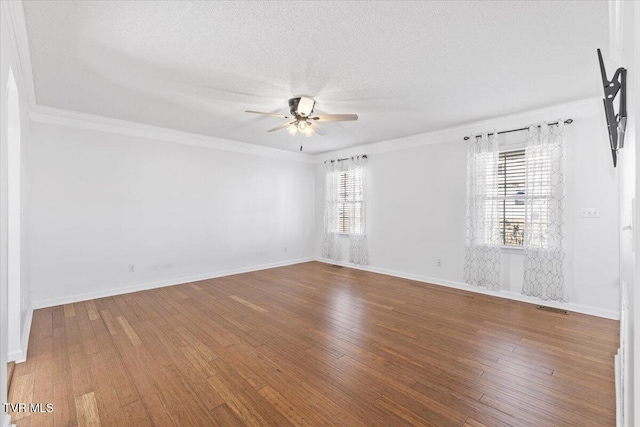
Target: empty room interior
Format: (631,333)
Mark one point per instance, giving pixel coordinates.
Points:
(336,213)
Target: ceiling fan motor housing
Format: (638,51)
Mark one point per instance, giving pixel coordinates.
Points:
(301,106)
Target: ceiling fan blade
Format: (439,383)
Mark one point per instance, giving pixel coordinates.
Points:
(305,106)
(282,126)
(335,117)
(267,114)
(318,129)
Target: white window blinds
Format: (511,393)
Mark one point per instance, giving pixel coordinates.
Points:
(511,197)
(350,197)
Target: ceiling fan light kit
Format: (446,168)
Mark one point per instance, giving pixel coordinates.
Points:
(301,109)
(300,126)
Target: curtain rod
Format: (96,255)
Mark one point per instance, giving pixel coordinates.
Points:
(346,158)
(568,121)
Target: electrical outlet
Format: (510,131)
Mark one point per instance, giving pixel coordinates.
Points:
(132,268)
(590,213)
(439,262)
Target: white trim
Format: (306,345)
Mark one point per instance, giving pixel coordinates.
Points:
(620,357)
(20,355)
(14,11)
(25,333)
(479,290)
(14,234)
(153,285)
(60,117)
(616,26)
(634,387)
(512,249)
(6,420)
(458,132)
(74,119)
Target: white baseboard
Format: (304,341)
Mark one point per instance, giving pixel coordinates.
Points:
(171,282)
(15,355)
(593,311)
(436,281)
(19,355)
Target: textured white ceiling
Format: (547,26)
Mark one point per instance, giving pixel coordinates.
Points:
(403,67)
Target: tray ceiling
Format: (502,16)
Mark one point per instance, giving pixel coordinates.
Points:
(403,67)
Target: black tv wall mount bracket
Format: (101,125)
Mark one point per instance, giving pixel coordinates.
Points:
(616,123)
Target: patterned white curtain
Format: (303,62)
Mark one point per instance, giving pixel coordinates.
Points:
(482,250)
(544,213)
(330,247)
(358,250)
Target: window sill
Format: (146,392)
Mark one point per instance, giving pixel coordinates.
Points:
(511,249)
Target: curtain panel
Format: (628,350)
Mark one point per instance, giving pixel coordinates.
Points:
(330,247)
(544,213)
(482,249)
(358,250)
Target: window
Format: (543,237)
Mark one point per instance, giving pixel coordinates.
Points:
(345,208)
(349,201)
(511,197)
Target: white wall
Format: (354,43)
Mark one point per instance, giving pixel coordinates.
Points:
(102,201)
(5,62)
(417,195)
(626,53)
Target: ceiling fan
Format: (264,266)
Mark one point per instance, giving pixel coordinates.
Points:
(302,118)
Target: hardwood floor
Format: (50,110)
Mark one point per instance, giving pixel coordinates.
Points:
(312,344)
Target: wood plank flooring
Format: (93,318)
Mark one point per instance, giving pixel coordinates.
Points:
(312,344)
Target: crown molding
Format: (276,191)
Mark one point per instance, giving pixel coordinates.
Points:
(17,28)
(74,119)
(576,109)
(14,11)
